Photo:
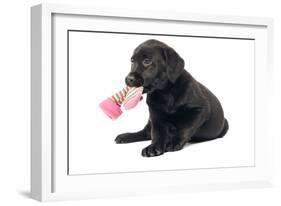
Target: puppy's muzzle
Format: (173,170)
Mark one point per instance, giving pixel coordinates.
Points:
(133,81)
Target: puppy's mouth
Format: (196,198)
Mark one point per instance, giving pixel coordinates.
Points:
(148,86)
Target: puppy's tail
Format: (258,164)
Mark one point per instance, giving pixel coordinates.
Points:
(224,130)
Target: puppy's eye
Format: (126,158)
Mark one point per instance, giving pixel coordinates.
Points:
(132,60)
(147,62)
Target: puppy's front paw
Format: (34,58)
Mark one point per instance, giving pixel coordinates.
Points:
(123,138)
(174,146)
(152,150)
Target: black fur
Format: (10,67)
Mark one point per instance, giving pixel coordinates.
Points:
(181,109)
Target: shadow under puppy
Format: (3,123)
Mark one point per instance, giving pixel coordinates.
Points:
(181,109)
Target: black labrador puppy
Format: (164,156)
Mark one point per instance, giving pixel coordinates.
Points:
(181,109)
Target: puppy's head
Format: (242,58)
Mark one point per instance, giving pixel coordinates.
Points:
(153,65)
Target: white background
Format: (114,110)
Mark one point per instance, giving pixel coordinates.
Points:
(14,107)
(98,64)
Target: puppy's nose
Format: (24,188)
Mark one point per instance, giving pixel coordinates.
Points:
(130,79)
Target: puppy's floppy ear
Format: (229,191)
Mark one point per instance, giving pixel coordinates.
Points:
(174,63)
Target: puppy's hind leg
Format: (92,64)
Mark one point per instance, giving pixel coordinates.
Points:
(143,135)
(208,135)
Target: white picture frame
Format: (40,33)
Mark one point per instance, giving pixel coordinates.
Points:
(50,177)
